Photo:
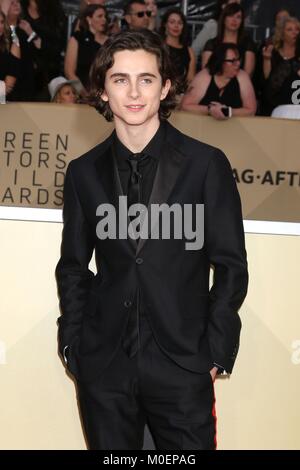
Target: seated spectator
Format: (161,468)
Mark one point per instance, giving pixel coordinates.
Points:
(84,45)
(258,76)
(174,31)
(210,28)
(231,30)
(281,63)
(63,91)
(222,89)
(9,57)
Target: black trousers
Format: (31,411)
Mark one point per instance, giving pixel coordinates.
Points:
(177,404)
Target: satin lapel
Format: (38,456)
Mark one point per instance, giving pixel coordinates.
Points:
(108,173)
(169,168)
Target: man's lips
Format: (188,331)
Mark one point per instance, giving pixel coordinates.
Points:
(135,107)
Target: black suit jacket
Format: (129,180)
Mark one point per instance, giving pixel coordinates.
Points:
(194,325)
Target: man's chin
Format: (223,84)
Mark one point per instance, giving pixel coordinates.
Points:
(134,120)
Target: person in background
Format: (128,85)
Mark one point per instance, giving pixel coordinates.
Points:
(231,29)
(63,91)
(279,17)
(173,29)
(283,45)
(84,45)
(154,21)
(210,28)
(9,57)
(83,5)
(25,37)
(258,79)
(113,26)
(280,63)
(222,89)
(47,20)
(137,15)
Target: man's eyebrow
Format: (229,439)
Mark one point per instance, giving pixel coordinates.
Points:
(126,75)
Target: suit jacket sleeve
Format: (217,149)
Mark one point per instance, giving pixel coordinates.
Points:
(72,273)
(225,245)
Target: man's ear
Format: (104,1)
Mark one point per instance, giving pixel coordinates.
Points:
(104,96)
(165,89)
(127,19)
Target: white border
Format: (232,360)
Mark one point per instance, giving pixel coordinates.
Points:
(55,215)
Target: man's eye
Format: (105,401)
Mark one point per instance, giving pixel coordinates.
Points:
(120,80)
(147,80)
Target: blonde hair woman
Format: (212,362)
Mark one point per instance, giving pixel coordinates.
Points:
(284,44)
(63,91)
(280,61)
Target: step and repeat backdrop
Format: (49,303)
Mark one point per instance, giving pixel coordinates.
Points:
(38,140)
(258,406)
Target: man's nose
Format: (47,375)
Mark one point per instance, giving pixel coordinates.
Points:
(134,90)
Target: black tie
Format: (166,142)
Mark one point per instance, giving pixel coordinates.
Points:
(135,181)
(131,339)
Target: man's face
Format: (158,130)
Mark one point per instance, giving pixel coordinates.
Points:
(133,87)
(137,18)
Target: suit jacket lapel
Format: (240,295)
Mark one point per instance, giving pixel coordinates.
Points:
(108,173)
(169,167)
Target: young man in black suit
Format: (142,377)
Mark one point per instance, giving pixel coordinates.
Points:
(145,336)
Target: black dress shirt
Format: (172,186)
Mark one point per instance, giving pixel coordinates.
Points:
(147,168)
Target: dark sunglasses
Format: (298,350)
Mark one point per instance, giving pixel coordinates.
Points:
(140,14)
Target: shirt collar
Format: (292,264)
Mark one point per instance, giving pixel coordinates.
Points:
(153,148)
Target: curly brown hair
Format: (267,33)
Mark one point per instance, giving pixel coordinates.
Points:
(132,40)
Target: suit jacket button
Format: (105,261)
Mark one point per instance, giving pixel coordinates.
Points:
(127,303)
(139,260)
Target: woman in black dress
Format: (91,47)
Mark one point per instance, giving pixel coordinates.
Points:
(48,21)
(174,31)
(231,30)
(84,44)
(281,63)
(222,89)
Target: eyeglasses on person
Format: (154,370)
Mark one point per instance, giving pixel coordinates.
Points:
(232,61)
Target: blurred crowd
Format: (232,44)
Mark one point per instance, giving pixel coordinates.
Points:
(223,72)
